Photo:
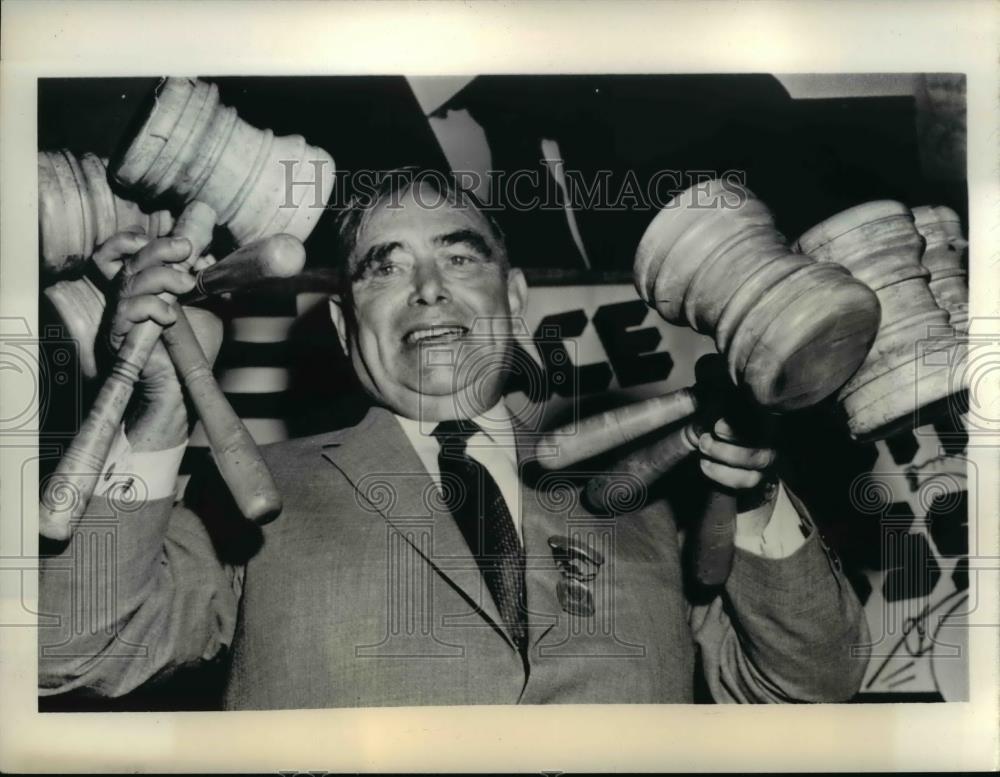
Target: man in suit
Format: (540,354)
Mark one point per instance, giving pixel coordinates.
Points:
(415,561)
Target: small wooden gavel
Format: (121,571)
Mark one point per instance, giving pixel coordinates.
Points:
(70,488)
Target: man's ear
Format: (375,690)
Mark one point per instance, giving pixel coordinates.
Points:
(517,291)
(339,319)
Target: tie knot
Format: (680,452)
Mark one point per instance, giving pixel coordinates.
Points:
(454,433)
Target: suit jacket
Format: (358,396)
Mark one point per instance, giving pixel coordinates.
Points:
(364,593)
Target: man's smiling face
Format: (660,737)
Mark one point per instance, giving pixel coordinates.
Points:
(432,298)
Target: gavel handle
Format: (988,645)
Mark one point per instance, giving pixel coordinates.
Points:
(71,486)
(592,436)
(641,468)
(236,454)
(714,540)
(714,546)
(276,256)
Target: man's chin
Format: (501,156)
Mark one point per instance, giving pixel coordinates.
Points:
(451,408)
(437,400)
(436,382)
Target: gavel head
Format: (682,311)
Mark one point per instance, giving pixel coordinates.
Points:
(192,147)
(940,225)
(944,258)
(880,245)
(79,306)
(78,211)
(792,330)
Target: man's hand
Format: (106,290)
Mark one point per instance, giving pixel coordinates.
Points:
(746,470)
(732,464)
(148,267)
(767,522)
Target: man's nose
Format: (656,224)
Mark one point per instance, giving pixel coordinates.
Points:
(428,285)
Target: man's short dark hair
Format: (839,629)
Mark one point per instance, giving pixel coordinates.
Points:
(390,188)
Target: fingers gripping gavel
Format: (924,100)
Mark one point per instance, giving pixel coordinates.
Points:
(712,397)
(69,489)
(278,256)
(240,464)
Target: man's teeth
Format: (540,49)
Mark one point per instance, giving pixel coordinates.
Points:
(434,331)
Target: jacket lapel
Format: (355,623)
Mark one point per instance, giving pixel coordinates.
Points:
(539,522)
(390,479)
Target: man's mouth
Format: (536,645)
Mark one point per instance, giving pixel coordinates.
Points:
(435,334)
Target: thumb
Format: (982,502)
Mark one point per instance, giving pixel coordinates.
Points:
(723,430)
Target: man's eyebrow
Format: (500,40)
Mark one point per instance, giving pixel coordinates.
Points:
(468,236)
(376,254)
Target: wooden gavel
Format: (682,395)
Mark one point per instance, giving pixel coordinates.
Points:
(791,331)
(195,152)
(193,147)
(71,486)
(78,211)
(895,385)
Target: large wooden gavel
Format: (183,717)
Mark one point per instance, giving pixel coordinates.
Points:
(193,147)
(792,331)
(78,211)
(895,385)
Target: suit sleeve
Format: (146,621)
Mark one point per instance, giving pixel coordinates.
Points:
(132,597)
(784,629)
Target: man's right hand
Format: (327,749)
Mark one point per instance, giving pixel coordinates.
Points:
(149,267)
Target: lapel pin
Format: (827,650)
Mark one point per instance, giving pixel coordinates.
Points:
(579,565)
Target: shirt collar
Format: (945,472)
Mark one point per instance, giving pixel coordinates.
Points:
(496,425)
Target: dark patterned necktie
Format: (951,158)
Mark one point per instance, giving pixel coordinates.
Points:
(474,499)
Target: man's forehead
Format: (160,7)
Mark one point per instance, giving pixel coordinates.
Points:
(425,214)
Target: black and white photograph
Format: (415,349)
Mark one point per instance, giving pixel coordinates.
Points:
(410,389)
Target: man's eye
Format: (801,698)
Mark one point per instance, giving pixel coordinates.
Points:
(460,259)
(383,269)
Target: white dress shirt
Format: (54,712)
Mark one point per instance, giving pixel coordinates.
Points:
(494,447)
(130,474)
